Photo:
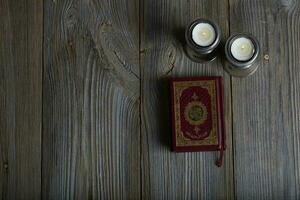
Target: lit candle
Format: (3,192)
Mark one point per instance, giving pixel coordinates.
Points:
(242,49)
(202,40)
(242,52)
(203,34)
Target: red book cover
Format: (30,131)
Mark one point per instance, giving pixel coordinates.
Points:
(197,114)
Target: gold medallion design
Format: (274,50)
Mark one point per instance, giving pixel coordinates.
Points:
(195,113)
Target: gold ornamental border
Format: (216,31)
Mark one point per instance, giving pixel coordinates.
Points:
(179,87)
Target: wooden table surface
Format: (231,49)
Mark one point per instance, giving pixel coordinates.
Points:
(84,110)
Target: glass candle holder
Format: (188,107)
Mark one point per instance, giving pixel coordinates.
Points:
(242,53)
(202,40)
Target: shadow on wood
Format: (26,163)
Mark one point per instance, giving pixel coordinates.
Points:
(164,114)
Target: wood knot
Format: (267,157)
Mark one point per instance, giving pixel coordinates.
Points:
(266,58)
(105,27)
(70,43)
(71,20)
(170,56)
(5,165)
(143,51)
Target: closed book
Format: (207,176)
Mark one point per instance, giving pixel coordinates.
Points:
(197,115)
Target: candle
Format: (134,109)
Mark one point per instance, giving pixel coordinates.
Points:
(203,34)
(202,40)
(242,52)
(242,49)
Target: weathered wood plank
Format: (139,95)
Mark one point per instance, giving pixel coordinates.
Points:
(21,27)
(167,175)
(266,106)
(91,138)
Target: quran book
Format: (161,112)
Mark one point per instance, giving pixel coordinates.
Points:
(197,114)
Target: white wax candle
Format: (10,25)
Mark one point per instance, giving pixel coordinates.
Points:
(242,49)
(203,34)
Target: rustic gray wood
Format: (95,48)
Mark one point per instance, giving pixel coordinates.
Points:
(84,104)
(21,25)
(91,137)
(168,175)
(266,106)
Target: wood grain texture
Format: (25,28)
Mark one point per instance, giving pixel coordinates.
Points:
(21,28)
(266,106)
(84,101)
(168,175)
(91,138)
